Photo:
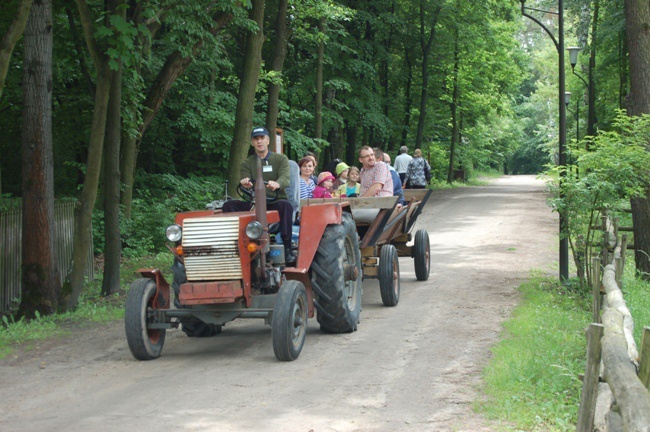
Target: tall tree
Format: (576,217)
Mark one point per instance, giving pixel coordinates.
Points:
(637,20)
(245,100)
(455,114)
(111,177)
(320,60)
(282,32)
(41,285)
(176,64)
(427,23)
(11,37)
(83,214)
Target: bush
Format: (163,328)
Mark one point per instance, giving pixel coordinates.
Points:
(157,199)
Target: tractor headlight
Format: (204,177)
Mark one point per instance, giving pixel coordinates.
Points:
(254,230)
(174,233)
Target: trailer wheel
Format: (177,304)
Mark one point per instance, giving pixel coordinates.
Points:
(422,256)
(289,322)
(389,286)
(144,343)
(192,327)
(336,278)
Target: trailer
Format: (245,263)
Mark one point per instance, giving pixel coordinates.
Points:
(385,234)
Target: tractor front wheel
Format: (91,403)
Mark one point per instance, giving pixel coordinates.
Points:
(144,343)
(422,256)
(389,286)
(289,322)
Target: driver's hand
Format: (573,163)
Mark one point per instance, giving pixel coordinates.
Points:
(273,185)
(246,182)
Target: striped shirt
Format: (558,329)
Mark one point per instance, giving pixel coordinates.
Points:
(306,188)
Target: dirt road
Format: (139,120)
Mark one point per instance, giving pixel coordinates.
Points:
(415,367)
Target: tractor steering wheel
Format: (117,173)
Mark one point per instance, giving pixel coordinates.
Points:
(249,194)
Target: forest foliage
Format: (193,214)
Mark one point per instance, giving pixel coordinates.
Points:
(473,84)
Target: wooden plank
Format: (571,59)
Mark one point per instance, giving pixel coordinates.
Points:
(415,194)
(590,382)
(420,207)
(595,289)
(619,354)
(644,362)
(631,396)
(356,202)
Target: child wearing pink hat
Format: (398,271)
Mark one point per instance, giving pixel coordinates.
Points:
(325,185)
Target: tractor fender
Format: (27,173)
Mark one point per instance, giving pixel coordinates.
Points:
(162,287)
(314,219)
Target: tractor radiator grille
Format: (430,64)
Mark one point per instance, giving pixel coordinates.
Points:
(211,250)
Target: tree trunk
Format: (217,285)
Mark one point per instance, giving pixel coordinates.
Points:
(175,65)
(282,32)
(637,23)
(408,100)
(425,46)
(111,182)
(12,36)
(245,101)
(455,133)
(591,88)
(84,211)
(318,118)
(40,281)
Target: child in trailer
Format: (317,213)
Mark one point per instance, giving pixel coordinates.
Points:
(324,187)
(341,175)
(352,187)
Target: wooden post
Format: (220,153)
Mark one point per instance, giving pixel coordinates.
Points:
(605,250)
(623,249)
(590,382)
(644,358)
(618,269)
(595,288)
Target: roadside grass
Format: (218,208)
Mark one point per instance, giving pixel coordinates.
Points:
(532,380)
(92,308)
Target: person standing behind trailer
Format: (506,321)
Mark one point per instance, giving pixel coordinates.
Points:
(275,171)
(402,163)
(415,176)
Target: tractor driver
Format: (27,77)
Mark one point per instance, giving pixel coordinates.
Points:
(275,171)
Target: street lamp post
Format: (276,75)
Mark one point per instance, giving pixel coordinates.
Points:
(573,59)
(559,45)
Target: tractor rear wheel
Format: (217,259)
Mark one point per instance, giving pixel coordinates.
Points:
(422,256)
(289,322)
(192,326)
(389,286)
(336,278)
(144,343)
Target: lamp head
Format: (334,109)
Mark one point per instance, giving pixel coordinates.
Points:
(567,98)
(573,55)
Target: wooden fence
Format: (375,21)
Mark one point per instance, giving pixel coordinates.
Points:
(11,250)
(622,402)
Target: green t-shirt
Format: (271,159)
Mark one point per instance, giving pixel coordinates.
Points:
(274,167)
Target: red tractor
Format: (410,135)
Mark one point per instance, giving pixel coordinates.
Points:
(226,267)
